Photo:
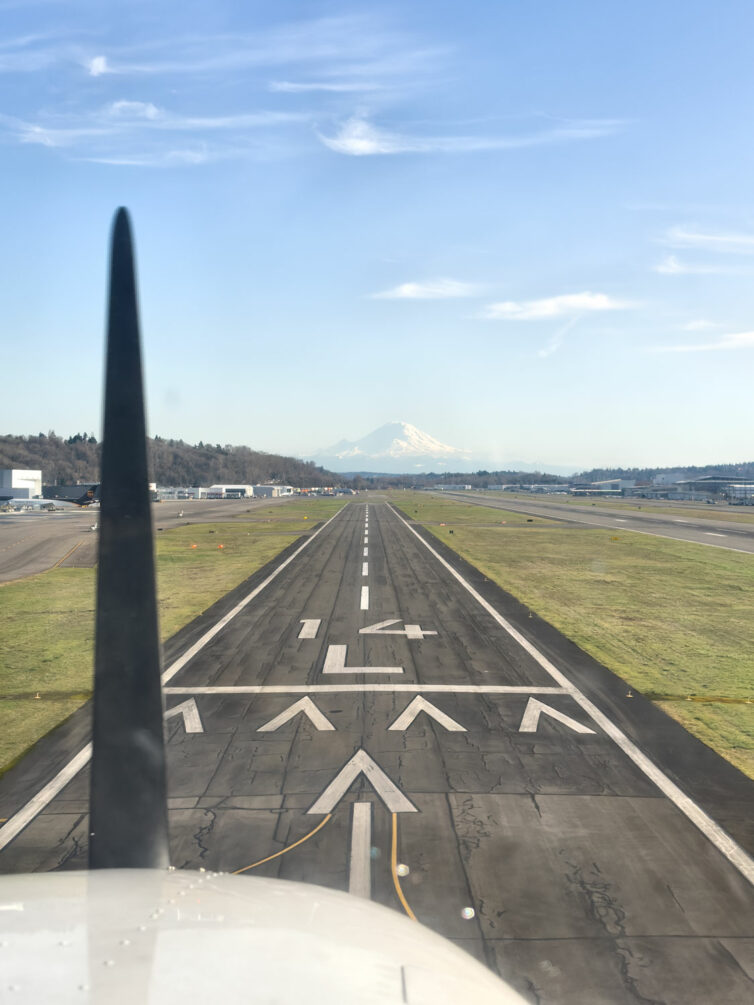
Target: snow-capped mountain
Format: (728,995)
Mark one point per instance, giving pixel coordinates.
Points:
(395,448)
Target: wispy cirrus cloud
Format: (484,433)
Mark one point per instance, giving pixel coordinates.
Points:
(133,110)
(357,137)
(672,266)
(328,87)
(724,242)
(700,325)
(339,47)
(108,135)
(433,289)
(568,304)
(737,340)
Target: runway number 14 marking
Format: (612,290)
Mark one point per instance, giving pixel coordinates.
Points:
(383,628)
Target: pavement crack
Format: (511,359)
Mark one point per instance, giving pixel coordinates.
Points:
(204,831)
(630,983)
(603,907)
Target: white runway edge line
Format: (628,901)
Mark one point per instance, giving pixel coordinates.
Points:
(722,841)
(684,540)
(29,810)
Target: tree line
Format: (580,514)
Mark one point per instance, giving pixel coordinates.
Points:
(171,462)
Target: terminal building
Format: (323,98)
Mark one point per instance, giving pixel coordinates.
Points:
(20,483)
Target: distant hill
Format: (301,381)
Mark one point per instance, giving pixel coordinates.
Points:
(171,462)
(744,469)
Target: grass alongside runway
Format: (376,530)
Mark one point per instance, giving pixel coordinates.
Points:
(47,621)
(672,619)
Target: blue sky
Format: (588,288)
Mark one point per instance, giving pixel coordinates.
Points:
(526,228)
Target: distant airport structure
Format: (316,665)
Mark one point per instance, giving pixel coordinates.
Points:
(20,483)
(270,491)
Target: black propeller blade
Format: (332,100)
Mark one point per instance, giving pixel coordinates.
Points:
(128,810)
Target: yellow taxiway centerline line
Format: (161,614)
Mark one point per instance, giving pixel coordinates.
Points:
(295,844)
(394,868)
(67,555)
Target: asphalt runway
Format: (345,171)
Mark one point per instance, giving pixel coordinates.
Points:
(379,718)
(33,542)
(713,533)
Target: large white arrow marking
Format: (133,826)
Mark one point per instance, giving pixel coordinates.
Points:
(362,763)
(535,708)
(335,662)
(420,704)
(191,721)
(305,705)
(382,628)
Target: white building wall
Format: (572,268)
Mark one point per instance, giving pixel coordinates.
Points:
(24,483)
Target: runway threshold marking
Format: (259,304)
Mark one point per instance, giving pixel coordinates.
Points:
(37,803)
(239,689)
(712,830)
(290,847)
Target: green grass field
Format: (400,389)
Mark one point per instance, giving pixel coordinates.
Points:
(47,621)
(672,619)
